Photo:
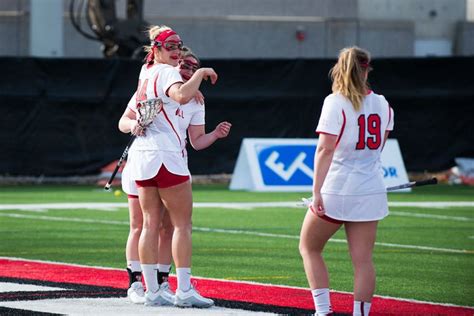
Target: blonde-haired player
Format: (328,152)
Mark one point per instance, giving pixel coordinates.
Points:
(348,187)
(158,167)
(191,119)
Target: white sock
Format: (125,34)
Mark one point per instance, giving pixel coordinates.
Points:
(134,265)
(322,301)
(164,267)
(150,274)
(184,278)
(361,308)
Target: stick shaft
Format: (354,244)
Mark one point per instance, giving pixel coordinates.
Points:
(119,163)
(413,184)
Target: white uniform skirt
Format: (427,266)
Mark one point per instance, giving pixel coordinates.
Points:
(128,184)
(356,208)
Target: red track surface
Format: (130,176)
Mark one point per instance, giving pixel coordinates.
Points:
(221,289)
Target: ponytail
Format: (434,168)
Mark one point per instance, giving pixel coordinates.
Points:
(349,75)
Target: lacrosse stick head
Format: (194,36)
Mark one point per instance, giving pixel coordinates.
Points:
(148,110)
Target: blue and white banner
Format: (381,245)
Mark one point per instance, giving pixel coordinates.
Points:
(269,164)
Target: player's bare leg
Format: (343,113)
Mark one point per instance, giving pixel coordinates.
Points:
(178,202)
(361,239)
(315,233)
(164,250)
(135,290)
(151,205)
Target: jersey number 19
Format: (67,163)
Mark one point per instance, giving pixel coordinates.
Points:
(374,140)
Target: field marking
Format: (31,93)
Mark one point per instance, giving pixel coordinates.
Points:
(432,216)
(112,207)
(114,306)
(41,207)
(229,231)
(243,282)
(230,205)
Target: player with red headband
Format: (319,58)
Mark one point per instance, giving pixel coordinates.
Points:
(158,167)
(348,187)
(191,120)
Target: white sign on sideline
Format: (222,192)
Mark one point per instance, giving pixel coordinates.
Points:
(286,164)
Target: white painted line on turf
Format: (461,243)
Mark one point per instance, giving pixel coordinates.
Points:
(439,204)
(243,206)
(432,216)
(116,306)
(233,205)
(233,281)
(16,287)
(107,207)
(227,231)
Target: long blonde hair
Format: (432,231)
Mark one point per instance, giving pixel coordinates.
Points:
(349,75)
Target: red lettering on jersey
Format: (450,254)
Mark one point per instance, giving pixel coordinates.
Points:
(179,113)
(141,95)
(374,140)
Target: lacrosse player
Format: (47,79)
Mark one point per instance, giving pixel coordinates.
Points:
(191,120)
(156,164)
(348,187)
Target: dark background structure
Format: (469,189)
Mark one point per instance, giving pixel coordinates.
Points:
(59,116)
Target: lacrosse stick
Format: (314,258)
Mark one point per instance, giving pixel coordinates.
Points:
(147,111)
(307,201)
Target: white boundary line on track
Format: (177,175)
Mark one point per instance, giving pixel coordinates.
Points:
(237,281)
(227,231)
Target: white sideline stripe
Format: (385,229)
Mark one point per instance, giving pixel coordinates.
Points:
(287,204)
(228,231)
(432,216)
(16,287)
(234,281)
(439,204)
(242,206)
(116,306)
(41,207)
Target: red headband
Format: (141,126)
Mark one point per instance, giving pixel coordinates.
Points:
(150,57)
(365,65)
(164,35)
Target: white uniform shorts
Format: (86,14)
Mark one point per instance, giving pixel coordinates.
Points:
(356,208)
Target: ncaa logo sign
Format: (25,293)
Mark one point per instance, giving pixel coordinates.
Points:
(287,165)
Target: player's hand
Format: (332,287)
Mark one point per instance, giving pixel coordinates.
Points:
(317,206)
(222,129)
(136,129)
(209,73)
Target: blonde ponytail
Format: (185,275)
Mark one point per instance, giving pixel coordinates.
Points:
(350,73)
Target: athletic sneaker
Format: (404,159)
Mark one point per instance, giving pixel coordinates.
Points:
(191,298)
(166,288)
(135,293)
(160,297)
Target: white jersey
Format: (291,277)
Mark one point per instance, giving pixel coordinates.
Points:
(162,134)
(162,143)
(191,113)
(356,167)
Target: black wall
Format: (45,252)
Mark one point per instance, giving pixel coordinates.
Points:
(59,116)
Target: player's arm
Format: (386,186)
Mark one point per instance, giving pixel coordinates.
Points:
(184,92)
(128,123)
(200,140)
(322,161)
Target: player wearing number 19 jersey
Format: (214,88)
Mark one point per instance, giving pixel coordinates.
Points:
(348,187)
(355,170)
